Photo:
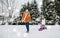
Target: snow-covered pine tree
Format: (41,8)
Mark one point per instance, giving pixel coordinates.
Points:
(48,11)
(34,11)
(57,3)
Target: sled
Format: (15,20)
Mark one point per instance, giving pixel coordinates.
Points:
(42,28)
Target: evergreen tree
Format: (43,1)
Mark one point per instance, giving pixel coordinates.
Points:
(34,10)
(48,11)
(57,3)
(51,12)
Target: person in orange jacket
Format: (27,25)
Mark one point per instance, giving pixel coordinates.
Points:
(26,18)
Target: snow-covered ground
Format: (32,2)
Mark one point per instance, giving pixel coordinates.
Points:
(9,31)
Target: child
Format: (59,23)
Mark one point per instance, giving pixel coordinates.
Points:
(42,27)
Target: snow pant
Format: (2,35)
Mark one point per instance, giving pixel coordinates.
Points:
(27,27)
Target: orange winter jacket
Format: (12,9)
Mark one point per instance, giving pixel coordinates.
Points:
(26,17)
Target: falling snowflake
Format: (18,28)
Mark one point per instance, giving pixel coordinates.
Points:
(14,30)
(17,10)
(9,8)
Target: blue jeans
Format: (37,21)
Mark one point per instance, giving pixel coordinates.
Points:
(27,27)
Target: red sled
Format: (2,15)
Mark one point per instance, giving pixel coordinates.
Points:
(42,28)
